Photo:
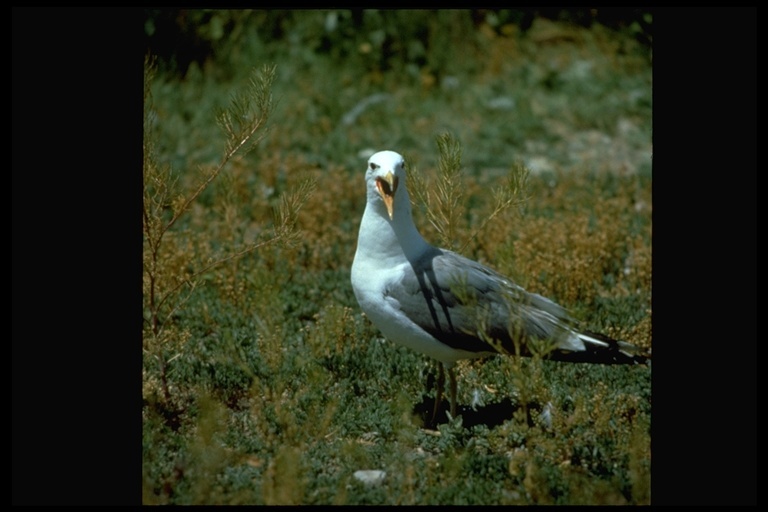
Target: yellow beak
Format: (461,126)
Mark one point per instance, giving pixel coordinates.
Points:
(387,187)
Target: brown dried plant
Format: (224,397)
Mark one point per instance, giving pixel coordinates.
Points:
(171,269)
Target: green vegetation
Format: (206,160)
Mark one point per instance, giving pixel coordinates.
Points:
(263,383)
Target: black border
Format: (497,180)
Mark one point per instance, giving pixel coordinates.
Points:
(76,314)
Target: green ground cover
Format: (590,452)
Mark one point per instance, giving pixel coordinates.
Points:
(262,381)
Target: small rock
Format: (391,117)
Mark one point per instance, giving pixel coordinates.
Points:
(546,415)
(539,164)
(450,82)
(370,476)
(502,103)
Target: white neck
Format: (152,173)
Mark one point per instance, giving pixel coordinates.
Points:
(382,239)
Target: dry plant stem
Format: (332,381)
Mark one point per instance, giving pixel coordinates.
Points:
(449,188)
(227,157)
(154,239)
(241,138)
(164,379)
(445,214)
(505,198)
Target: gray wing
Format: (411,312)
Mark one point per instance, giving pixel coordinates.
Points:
(470,307)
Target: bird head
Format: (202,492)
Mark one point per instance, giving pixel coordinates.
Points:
(386,170)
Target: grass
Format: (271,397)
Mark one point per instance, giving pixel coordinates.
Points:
(266,384)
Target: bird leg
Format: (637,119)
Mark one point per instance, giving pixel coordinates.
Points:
(439,392)
(452,384)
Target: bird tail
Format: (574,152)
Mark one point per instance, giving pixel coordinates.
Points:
(602,349)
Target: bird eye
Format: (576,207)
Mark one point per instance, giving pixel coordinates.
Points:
(374,166)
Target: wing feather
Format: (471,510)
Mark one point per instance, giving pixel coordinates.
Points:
(471,307)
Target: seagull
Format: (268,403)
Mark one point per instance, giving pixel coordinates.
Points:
(446,306)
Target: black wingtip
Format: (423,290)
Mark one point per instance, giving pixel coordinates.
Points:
(609,351)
